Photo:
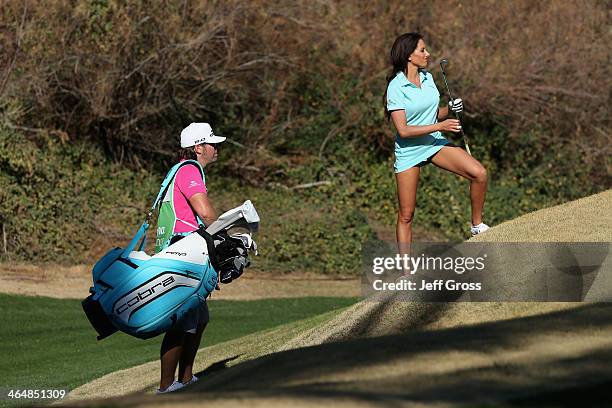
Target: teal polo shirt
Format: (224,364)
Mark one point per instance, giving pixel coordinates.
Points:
(421,107)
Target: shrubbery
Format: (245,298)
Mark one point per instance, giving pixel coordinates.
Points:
(94,94)
(129,75)
(63,201)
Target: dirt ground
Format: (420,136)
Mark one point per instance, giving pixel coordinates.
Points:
(73,282)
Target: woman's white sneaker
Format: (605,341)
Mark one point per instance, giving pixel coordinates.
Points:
(193,379)
(477,229)
(177,385)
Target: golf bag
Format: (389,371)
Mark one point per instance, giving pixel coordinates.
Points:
(145,295)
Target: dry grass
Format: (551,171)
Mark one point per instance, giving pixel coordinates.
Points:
(585,220)
(73,282)
(375,354)
(228,353)
(588,219)
(130,74)
(531,358)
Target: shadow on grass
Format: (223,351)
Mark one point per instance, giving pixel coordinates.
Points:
(555,359)
(469,364)
(217,366)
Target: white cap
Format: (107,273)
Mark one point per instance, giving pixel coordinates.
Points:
(197,133)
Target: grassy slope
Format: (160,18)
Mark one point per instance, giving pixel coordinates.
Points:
(521,352)
(49,342)
(588,219)
(209,359)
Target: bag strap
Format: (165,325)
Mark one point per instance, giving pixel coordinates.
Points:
(168,179)
(141,235)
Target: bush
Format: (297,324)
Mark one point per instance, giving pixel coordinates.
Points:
(63,201)
(285,78)
(98,91)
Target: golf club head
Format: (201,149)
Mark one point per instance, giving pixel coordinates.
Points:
(443,62)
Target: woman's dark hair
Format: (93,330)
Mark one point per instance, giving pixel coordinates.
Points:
(187,153)
(402,48)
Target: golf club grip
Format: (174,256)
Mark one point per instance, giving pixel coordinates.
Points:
(446,82)
(457,115)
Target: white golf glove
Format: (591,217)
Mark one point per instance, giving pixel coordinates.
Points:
(456,105)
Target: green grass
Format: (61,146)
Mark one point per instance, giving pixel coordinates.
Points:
(48,343)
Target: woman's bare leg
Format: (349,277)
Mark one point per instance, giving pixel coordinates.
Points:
(407,183)
(456,160)
(171,350)
(190,349)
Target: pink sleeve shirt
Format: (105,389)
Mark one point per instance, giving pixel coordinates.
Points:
(188,181)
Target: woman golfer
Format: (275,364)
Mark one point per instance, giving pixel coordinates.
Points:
(412,102)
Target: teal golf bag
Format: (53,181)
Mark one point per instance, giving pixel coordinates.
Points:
(145,295)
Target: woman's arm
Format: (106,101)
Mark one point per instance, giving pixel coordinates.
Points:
(404,130)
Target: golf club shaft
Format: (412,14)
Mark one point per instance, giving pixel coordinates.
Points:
(457,115)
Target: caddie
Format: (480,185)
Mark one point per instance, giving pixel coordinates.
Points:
(186,206)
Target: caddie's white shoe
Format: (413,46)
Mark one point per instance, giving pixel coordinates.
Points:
(477,229)
(177,385)
(193,379)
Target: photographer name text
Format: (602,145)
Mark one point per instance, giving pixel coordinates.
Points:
(436,285)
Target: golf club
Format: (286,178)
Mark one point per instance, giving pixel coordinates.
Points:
(457,115)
